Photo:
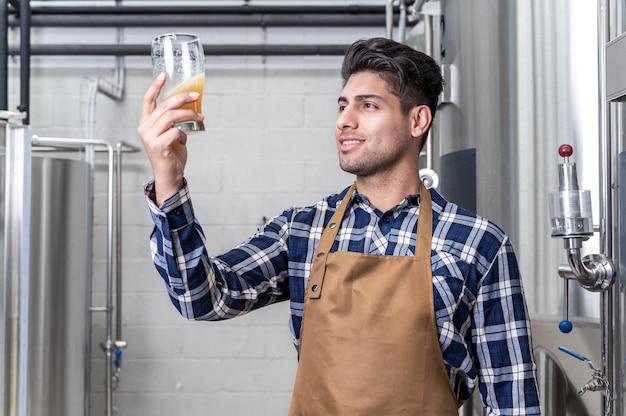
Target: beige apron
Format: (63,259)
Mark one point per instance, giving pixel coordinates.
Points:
(369,343)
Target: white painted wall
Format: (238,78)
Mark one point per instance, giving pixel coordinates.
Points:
(269,144)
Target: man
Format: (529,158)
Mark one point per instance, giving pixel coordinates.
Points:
(400,301)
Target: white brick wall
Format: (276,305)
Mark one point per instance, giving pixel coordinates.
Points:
(269,144)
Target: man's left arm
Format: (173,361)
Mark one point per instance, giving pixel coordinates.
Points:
(502,340)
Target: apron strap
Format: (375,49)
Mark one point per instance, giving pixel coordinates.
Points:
(316,279)
(422,240)
(424,225)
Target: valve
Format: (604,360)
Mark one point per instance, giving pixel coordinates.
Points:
(117,362)
(114,350)
(571,219)
(570,207)
(598,381)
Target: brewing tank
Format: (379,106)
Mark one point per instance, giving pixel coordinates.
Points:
(58,318)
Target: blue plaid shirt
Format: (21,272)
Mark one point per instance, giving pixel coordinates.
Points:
(481,315)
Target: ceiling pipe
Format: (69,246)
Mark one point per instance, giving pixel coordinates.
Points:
(209,16)
(242,10)
(207,19)
(209,50)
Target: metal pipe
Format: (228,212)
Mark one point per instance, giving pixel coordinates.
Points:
(4,55)
(118,242)
(114,90)
(205,20)
(117,93)
(565,306)
(109,344)
(595,272)
(389,19)
(605,181)
(90,109)
(215,50)
(582,272)
(61,143)
(616,10)
(25,59)
(15,270)
(617,324)
(402,22)
(432,38)
(241,10)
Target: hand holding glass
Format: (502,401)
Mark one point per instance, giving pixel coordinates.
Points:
(181,58)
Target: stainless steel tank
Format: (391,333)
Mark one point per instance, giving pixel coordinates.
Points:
(57,353)
(60,288)
(3,289)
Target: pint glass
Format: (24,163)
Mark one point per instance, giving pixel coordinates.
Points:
(181,57)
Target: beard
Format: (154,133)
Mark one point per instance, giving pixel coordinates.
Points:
(372,162)
(378,155)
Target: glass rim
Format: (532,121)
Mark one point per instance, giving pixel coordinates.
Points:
(177,36)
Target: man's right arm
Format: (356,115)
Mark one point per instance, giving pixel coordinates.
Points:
(213,288)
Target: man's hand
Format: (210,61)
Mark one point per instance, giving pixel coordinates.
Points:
(165,146)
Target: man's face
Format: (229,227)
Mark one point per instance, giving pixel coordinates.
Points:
(373,136)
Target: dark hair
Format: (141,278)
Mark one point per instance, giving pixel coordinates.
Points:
(411,75)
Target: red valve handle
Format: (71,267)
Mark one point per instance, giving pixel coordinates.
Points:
(566,150)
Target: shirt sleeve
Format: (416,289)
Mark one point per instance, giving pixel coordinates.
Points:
(502,338)
(201,287)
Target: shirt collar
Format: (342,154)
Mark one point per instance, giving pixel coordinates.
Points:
(409,201)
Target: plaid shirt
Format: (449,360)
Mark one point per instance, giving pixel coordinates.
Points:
(481,315)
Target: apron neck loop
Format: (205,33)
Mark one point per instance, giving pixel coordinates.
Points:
(424,225)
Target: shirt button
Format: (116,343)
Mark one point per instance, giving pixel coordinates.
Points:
(387,220)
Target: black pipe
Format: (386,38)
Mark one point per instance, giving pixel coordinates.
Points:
(4,55)
(208,19)
(25,60)
(209,50)
(241,10)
